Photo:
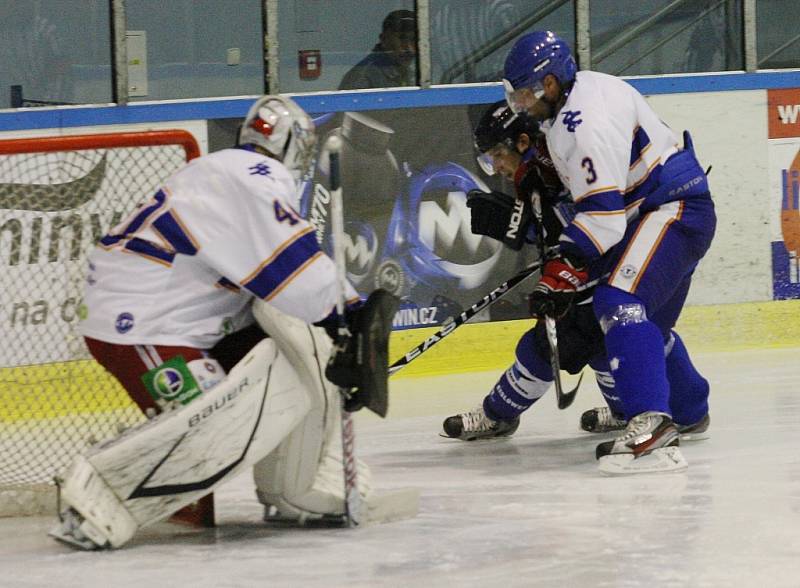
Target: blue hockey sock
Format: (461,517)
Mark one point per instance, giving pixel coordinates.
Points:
(520,385)
(688,389)
(635,351)
(605,381)
(636,355)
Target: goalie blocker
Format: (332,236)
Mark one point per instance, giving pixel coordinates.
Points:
(274,412)
(360,362)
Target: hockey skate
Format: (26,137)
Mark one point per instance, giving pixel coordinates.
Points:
(695,432)
(649,444)
(77,532)
(603,420)
(472,425)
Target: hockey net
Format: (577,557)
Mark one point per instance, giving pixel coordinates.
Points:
(58,196)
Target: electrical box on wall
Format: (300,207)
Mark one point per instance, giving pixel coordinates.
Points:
(233,56)
(136,46)
(310,63)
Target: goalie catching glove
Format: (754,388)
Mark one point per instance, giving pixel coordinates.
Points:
(499,216)
(553,295)
(360,361)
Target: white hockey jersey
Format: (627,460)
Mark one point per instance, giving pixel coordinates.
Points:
(608,146)
(183,268)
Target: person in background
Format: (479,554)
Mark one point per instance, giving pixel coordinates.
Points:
(392,62)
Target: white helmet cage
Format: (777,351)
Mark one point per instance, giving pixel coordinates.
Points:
(280,126)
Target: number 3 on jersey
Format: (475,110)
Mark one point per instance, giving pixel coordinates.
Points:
(588,165)
(281,214)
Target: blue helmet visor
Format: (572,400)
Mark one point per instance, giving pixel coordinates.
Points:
(521,99)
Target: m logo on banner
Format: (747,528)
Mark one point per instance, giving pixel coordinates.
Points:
(440,231)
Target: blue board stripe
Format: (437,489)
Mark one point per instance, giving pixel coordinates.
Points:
(40,118)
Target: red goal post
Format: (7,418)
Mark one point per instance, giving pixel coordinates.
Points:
(58,196)
(179,137)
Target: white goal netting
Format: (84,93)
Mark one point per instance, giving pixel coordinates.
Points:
(58,196)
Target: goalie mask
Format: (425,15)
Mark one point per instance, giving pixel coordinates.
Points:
(280,126)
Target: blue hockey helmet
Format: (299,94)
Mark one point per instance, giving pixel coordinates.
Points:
(533,57)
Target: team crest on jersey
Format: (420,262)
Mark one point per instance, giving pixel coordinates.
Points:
(628,271)
(124,322)
(571,120)
(259,169)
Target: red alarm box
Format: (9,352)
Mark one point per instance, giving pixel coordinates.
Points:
(310,63)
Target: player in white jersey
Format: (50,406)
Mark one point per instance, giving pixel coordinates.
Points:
(181,291)
(181,271)
(644,216)
(510,144)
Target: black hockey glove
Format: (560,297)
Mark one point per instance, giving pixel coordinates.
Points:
(359,363)
(556,289)
(500,217)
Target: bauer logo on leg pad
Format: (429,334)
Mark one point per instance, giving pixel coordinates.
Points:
(172,381)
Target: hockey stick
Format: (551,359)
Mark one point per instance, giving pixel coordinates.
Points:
(563,399)
(351,494)
(452,323)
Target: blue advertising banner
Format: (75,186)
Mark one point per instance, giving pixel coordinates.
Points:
(405,178)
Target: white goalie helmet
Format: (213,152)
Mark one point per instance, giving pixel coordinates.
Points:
(280,126)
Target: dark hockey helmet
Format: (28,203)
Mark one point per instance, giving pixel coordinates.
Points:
(500,126)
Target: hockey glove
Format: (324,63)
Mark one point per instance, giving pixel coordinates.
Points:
(359,363)
(499,216)
(556,289)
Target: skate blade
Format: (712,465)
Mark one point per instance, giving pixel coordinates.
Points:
(663,460)
(385,507)
(691,437)
(481,439)
(70,540)
(312,522)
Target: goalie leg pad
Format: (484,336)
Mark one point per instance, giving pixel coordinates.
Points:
(362,362)
(303,477)
(158,467)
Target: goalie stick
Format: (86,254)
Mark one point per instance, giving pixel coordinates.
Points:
(351,495)
(452,323)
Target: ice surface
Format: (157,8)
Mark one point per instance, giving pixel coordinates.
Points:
(528,511)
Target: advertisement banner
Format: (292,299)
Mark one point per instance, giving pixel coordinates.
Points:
(54,206)
(784,161)
(405,178)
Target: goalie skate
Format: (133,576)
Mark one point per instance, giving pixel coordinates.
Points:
(76,532)
(650,444)
(474,424)
(383,507)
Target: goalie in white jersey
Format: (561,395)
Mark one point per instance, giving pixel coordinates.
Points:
(177,301)
(181,272)
(644,217)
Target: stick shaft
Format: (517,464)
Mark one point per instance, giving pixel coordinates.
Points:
(453,323)
(351,494)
